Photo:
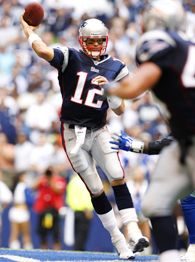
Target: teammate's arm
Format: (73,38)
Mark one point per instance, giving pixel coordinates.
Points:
(40,48)
(144,78)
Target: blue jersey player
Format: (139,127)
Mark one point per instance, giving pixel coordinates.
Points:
(83,124)
(166,65)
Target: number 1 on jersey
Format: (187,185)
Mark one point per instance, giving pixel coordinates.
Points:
(90,95)
(79,88)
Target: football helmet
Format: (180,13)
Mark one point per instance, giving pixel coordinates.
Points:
(164,14)
(93,37)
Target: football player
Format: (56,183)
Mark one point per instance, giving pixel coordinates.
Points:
(166,64)
(83,124)
(127,143)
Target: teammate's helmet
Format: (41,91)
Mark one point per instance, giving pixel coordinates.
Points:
(93,37)
(163,14)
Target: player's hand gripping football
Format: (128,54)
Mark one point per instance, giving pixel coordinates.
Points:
(127,143)
(27,29)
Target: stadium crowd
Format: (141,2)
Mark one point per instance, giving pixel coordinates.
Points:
(30,98)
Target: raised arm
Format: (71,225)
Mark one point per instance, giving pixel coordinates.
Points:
(40,48)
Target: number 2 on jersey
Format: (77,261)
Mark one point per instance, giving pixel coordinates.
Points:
(89,101)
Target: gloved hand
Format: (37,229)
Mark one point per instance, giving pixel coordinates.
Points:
(122,141)
(127,143)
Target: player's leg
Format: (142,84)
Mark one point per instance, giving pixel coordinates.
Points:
(109,161)
(168,182)
(41,231)
(84,166)
(188,208)
(25,229)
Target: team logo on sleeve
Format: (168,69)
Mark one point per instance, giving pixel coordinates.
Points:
(151,48)
(152,43)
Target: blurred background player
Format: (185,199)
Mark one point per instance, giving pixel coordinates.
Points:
(19,214)
(78,199)
(50,188)
(127,143)
(83,124)
(166,65)
(6,196)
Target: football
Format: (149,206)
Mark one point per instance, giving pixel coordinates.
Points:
(33,14)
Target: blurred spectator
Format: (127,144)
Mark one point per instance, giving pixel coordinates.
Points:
(41,115)
(19,214)
(7,111)
(5,196)
(6,155)
(42,152)
(22,149)
(50,198)
(78,199)
(5,193)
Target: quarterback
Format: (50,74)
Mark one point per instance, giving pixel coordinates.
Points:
(83,124)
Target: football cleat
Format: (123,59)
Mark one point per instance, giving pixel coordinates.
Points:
(137,241)
(122,248)
(140,245)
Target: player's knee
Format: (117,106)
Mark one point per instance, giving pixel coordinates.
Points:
(115,173)
(96,190)
(79,165)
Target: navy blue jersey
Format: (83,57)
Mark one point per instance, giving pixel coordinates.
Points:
(176,87)
(83,102)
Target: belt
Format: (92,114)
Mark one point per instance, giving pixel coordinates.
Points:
(72,126)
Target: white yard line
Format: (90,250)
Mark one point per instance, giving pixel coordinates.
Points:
(19,258)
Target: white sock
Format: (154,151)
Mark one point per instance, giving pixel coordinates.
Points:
(128,215)
(110,224)
(134,232)
(170,256)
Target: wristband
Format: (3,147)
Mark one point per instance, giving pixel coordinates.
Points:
(114,102)
(33,37)
(137,146)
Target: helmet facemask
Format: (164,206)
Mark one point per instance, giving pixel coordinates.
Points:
(93,38)
(94,46)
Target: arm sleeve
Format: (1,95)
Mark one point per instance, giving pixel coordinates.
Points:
(58,59)
(155,147)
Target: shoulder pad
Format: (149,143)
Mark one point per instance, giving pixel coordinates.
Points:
(153,42)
